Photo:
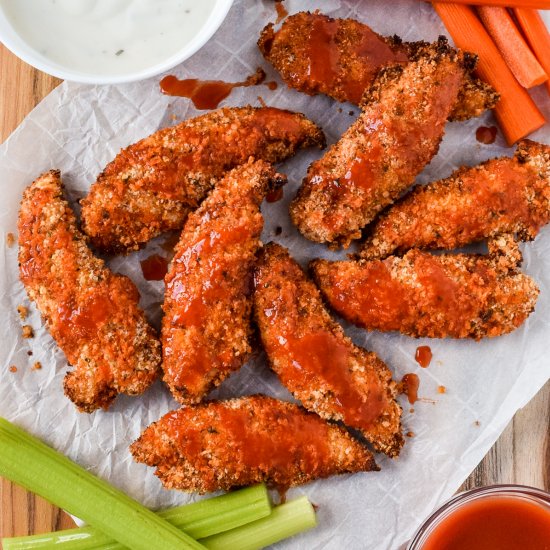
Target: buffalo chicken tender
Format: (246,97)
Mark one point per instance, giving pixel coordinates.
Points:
(207,307)
(91,313)
(381,154)
(315,360)
(422,295)
(220,445)
(315,54)
(505,195)
(151,186)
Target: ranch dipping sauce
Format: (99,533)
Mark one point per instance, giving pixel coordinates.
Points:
(111,37)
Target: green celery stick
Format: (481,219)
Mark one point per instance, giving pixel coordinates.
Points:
(199,519)
(29,462)
(285,521)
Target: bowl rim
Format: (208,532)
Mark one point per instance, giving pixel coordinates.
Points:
(18,46)
(512,490)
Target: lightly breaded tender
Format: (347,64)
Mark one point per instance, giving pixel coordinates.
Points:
(91,312)
(152,185)
(504,195)
(315,360)
(380,155)
(219,445)
(208,304)
(315,54)
(422,295)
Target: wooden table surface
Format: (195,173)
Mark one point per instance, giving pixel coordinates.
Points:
(521,455)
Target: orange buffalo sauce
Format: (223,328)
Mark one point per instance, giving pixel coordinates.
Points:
(493,523)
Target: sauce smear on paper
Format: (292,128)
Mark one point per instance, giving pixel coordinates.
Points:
(493,523)
(410,383)
(486,135)
(206,94)
(281,11)
(154,268)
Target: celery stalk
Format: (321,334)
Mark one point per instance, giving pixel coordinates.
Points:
(29,462)
(198,520)
(285,521)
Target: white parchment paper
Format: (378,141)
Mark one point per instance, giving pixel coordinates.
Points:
(79,128)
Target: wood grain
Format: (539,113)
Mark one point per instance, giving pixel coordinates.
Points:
(521,455)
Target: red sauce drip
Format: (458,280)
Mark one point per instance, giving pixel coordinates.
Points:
(154,268)
(13,368)
(206,94)
(441,389)
(411,383)
(281,11)
(486,135)
(493,523)
(321,355)
(275,195)
(423,356)
(272,85)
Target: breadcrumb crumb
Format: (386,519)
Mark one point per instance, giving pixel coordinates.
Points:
(28,331)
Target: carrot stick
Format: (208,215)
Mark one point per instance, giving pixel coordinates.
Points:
(512,46)
(536,4)
(537,35)
(516,112)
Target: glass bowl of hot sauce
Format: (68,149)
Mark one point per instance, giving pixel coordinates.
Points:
(497,517)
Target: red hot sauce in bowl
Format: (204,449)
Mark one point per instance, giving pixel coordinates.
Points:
(506,517)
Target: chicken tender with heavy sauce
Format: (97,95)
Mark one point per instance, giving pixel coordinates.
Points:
(207,307)
(220,445)
(504,195)
(91,313)
(422,295)
(151,186)
(315,360)
(316,54)
(380,155)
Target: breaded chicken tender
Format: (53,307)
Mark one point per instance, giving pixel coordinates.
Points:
(220,445)
(316,54)
(381,154)
(504,195)
(91,313)
(207,306)
(315,360)
(151,186)
(422,295)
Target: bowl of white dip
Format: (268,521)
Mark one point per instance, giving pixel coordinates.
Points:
(108,41)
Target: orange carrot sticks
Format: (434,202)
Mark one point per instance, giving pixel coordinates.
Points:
(517,54)
(537,4)
(537,35)
(516,112)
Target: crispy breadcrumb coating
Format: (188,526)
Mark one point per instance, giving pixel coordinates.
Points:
(316,54)
(460,296)
(220,445)
(380,155)
(315,360)
(504,195)
(152,185)
(91,313)
(207,306)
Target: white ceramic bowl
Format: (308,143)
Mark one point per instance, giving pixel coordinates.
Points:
(14,42)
